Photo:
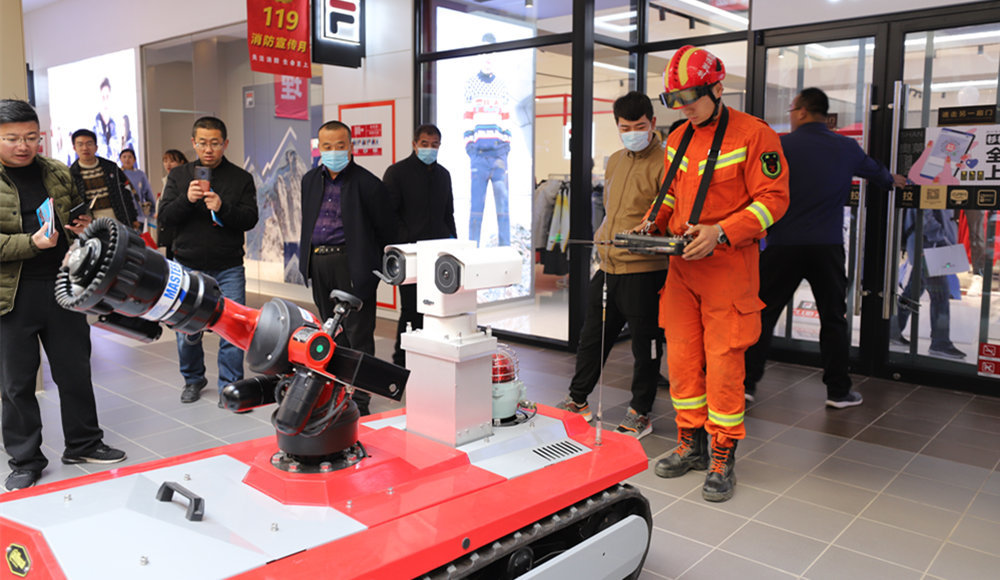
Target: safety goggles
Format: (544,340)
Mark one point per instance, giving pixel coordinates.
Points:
(682,97)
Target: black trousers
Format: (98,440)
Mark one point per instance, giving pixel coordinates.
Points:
(635,299)
(782,269)
(407,314)
(329,272)
(65,336)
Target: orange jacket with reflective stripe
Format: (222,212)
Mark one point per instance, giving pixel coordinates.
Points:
(749,188)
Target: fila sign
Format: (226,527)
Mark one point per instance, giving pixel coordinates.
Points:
(339,32)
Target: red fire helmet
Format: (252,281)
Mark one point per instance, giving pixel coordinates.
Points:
(692,67)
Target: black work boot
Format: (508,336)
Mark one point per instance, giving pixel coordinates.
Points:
(720,483)
(690,453)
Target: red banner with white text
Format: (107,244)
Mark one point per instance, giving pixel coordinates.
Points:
(291,97)
(278,37)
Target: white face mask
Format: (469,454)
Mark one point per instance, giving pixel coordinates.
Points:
(635,140)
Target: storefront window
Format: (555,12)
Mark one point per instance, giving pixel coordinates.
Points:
(445,22)
(670,19)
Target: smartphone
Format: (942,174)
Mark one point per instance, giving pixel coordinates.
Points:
(950,143)
(202,172)
(76,211)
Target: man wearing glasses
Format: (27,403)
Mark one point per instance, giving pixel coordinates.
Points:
(726,184)
(210,204)
(30,255)
(103,184)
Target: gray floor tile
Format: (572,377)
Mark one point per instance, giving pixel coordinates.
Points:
(804,518)
(889,543)
(944,470)
(720,564)
(838,564)
(766,476)
(959,562)
(854,473)
(146,426)
(986,506)
(912,516)
(777,548)
(837,496)
(746,502)
(810,440)
(873,454)
(976,533)
(698,522)
(178,441)
(787,456)
(675,486)
(671,554)
(930,492)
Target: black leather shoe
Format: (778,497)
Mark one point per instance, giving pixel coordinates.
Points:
(192,391)
(102,454)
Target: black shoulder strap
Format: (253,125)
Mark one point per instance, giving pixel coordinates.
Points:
(713,156)
(672,172)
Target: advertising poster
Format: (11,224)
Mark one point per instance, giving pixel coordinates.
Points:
(952,167)
(278,37)
(291,97)
(99,94)
(485,110)
(278,152)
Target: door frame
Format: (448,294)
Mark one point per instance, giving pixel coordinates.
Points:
(889,31)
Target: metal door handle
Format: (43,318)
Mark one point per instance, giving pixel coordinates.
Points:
(889,276)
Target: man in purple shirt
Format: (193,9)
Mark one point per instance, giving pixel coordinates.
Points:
(347,219)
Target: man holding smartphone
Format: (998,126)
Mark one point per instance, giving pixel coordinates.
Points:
(210,204)
(29,315)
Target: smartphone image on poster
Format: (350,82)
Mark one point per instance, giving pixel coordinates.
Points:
(949,144)
(45,219)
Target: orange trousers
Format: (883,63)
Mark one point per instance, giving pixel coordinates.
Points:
(710,314)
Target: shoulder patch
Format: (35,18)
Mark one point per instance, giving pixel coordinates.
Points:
(770,164)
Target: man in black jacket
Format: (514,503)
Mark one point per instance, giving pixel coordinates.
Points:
(421,188)
(347,219)
(209,219)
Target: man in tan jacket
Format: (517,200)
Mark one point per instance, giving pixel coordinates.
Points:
(632,180)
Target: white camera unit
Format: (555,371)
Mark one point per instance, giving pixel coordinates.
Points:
(449,395)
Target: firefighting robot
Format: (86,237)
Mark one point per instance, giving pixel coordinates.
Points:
(444,490)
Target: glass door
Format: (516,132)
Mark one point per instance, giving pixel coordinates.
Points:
(941,258)
(843,69)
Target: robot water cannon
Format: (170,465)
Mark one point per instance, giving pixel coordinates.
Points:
(450,397)
(110,272)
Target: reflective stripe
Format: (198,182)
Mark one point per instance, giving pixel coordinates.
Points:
(692,403)
(762,213)
(682,68)
(670,159)
(724,420)
(725,160)
(669,201)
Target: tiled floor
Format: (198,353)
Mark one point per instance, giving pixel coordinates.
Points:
(905,486)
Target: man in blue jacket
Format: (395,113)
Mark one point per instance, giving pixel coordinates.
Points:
(809,241)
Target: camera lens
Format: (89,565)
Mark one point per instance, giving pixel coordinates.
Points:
(447,276)
(394,267)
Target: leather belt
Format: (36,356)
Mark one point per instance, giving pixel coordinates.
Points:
(321,250)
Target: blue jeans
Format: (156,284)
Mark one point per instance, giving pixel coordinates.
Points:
(233,284)
(940,315)
(487,167)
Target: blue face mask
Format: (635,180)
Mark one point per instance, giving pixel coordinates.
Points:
(335,161)
(635,140)
(428,155)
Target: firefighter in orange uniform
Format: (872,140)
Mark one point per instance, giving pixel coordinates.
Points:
(709,307)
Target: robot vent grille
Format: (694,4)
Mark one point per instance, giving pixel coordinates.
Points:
(559,451)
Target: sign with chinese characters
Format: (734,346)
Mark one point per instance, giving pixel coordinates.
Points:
(950,167)
(278,37)
(975,115)
(291,97)
(988,364)
(338,32)
(367,140)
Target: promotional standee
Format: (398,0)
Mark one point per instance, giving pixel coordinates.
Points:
(469,482)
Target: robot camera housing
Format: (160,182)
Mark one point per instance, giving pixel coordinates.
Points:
(475,268)
(399,264)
